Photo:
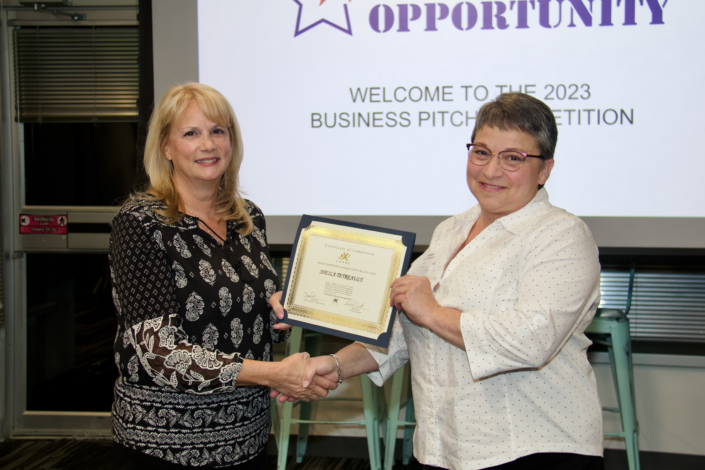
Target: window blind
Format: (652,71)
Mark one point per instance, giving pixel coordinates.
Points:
(78,74)
(666,306)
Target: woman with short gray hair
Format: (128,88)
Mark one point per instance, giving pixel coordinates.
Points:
(493,315)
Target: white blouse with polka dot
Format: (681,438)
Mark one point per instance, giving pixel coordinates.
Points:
(528,286)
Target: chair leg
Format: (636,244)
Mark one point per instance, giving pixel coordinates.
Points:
(284,430)
(390,439)
(409,430)
(312,345)
(622,358)
(613,368)
(371,421)
(381,408)
(283,417)
(293,344)
(302,437)
(276,423)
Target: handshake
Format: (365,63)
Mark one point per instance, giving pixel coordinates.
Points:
(305,378)
(300,376)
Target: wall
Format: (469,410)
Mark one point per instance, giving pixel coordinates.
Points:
(175,33)
(669,394)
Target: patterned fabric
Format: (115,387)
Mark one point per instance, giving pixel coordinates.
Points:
(189,311)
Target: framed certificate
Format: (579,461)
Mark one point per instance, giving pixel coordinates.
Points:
(339,278)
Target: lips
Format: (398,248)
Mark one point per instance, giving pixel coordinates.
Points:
(491,187)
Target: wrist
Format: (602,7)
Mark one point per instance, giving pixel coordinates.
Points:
(275,371)
(433,318)
(259,373)
(337,368)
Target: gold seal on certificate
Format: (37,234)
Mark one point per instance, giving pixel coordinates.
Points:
(340,275)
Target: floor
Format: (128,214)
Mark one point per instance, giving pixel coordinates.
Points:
(96,454)
(331,453)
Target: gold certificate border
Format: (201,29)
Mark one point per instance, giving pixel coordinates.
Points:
(378,327)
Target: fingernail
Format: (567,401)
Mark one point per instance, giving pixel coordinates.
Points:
(306,383)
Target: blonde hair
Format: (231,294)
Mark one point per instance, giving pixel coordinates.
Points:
(160,170)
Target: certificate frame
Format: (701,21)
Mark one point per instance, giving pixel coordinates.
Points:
(322,319)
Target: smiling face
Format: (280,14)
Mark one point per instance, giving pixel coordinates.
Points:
(198,148)
(501,192)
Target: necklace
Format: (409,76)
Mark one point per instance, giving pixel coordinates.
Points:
(213,232)
(231,254)
(187,210)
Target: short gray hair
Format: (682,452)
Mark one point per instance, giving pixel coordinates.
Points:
(525,113)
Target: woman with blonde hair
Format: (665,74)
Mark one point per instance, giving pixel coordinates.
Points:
(192,277)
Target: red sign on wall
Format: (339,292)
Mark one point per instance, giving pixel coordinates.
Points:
(43,224)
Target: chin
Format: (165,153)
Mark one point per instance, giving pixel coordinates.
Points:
(212,176)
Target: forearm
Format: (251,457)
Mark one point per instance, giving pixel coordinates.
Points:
(258,373)
(355,360)
(445,322)
(413,295)
(285,377)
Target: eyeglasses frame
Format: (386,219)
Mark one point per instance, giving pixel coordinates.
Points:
(525,155)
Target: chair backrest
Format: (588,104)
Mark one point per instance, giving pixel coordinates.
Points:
(606,312)
(632,273)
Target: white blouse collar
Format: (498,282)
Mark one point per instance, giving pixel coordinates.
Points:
(514,222)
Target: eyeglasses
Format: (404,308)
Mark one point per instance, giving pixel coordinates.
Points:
(510,160)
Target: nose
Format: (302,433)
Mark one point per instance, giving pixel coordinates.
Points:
(492,169)
(207,142)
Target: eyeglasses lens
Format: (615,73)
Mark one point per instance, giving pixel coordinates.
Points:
(508,160)
(479,155)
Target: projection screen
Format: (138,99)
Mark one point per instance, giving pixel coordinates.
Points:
(363,109)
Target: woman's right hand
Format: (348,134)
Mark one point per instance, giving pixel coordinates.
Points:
(275,301)
(289,379)
(321,371)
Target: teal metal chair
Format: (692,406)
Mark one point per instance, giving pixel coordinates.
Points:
(372,398)
(610,328)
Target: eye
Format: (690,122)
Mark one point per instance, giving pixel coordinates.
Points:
(219,130)
(513,157)
(189,133)
(480,152)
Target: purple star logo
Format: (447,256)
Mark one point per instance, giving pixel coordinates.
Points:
(315,12)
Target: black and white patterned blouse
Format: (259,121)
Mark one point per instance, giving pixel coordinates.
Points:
(189,311)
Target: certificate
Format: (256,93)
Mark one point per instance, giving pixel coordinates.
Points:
(340,275)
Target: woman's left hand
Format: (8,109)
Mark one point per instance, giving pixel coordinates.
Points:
(413,295)
(275,301)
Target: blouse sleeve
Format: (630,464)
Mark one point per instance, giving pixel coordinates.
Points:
(391,359)
(259,231)
(143,284)
(557,297)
